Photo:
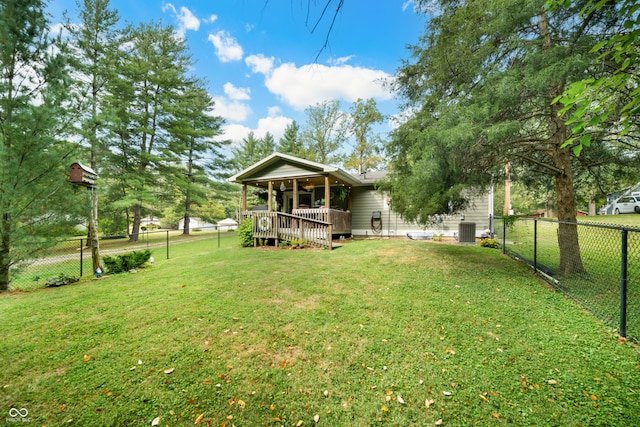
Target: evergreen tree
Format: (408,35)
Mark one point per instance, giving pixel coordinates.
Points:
(95,42)
(34,100)
(153,65)
(267,145)
(247,153)
(482,81)
(192,128)
(290,142)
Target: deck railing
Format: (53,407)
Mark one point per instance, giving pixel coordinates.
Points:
(341,220)
(282,226)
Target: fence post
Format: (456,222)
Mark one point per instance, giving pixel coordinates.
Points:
(535,246)
(504,236)
(80,257)
(623,286)
(167,244)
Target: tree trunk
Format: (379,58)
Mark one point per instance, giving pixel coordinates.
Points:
(570,259)
(5,257)
(187,219)
(135,227)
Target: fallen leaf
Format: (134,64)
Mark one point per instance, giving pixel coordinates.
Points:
(326,393)
(87,357)
(428,403)
(241,403)
(400,399)
(299,423)
(385,409)
(495,415)
(439,422)
(169,371)
(552,382)
(483,397)
(139,362)
(155,421)
(316,418)
(446,393)
(199,419)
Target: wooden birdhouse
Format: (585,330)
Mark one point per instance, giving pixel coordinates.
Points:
(82,175)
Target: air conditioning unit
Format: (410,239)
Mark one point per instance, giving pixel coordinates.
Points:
(467,232)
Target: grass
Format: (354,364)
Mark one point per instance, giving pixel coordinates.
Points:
(374,333)
(64,257)
(598,287)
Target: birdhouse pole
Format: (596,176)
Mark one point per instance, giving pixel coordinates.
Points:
(80,174)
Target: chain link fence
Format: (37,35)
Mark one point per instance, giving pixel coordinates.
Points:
(597,265)
(72,257)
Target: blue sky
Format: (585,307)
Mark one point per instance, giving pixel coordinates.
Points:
(262,62)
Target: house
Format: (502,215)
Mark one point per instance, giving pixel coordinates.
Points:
(194,223)
(227,224)
(317,203)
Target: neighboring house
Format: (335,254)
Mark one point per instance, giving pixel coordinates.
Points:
(607,209)
(297,208)
(194,223)
(227,224)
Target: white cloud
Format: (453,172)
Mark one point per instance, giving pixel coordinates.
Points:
(231,110)
(237,93)
(308,85)
(211,19)
(274,125)
(340,61)
(227,48)
(274,111)
(168,6)
(234,133)
(259,63)
(185,18)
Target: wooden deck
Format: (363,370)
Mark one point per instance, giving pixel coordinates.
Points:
(314,226)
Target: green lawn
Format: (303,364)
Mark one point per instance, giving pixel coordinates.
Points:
(373,333)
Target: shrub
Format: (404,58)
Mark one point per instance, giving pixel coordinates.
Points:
(60,280)
(245,233)
(489,243)
(125,262)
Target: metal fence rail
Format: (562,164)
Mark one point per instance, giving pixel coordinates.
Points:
(603,275)
(72,257)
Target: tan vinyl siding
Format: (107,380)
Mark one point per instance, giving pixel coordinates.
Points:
(282,170)
(366,200)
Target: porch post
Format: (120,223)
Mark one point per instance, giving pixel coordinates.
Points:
(295,193)
(269,197)
(327,197)
(244,197)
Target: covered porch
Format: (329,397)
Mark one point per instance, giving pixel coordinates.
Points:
(296,199)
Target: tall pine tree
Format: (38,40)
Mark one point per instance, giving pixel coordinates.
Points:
(34,76)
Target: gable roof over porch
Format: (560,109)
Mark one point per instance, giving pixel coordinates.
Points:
(284,167)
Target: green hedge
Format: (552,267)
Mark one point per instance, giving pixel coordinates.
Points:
(125,262)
